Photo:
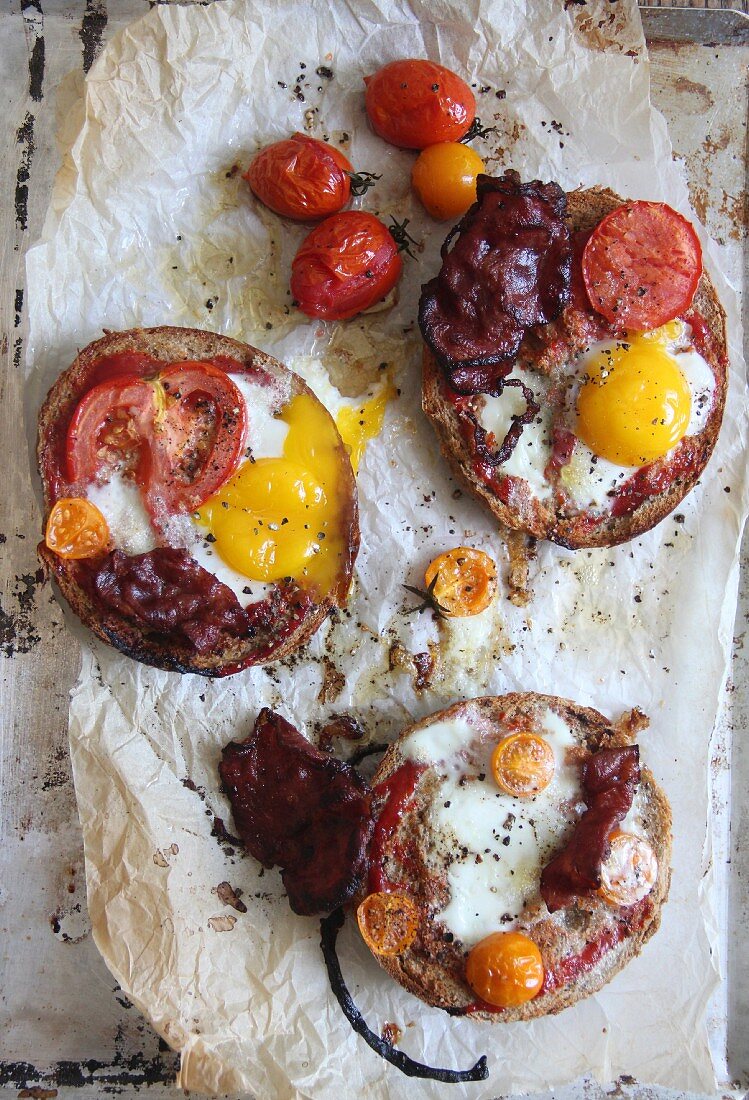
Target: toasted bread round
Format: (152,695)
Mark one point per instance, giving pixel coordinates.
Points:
(290,620)
(410,854)
(564,524)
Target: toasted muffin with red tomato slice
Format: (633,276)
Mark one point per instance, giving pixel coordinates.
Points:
(200,506)
(520,856)
(576,385)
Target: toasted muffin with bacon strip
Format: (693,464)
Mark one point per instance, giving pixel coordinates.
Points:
(517,364)
(520,856)
(189,521)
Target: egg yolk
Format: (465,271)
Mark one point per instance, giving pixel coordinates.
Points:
(636,403)
(360,423)
(505,969)
(283,517)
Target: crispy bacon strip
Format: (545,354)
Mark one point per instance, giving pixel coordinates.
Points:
(167,591)
(508,269)
(300,809)
(510,441)
(610,778)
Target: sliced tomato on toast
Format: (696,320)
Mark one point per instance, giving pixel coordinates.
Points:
(179,435)
(641,265)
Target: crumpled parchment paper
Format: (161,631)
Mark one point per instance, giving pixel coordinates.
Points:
(150,223)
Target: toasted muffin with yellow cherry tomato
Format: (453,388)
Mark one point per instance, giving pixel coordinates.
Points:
(481,811)
(200,505)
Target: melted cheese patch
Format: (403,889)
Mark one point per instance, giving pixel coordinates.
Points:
(490,846)
(283,517)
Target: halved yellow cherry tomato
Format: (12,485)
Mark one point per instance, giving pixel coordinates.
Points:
(444,178)
(76,529)
(505,969)
(388,922)
(631,870)
(523,764)
(466,581)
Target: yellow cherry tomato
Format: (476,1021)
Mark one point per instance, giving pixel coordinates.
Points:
(444,178)
(388,922)
(523,764)
(630,871)
(465,581)
(505,969)
(76,529)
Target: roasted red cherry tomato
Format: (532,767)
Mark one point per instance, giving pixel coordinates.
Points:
(345,265)
(416,103)
(301,178)
(180,434)
(641,265)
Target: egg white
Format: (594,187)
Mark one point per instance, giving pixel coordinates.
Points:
(533,449)
(491,846)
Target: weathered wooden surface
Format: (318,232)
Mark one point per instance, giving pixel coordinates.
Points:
(62,1021)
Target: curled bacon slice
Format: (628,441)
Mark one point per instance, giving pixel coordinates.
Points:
(510,441)
(300,809)
(610,778)
(508,269)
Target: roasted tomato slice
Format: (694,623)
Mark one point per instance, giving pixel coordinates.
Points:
(346,264)
(462,581)
(641,265)
(180,435)
(414,103)
(76,529)
(301,178)
(111,429)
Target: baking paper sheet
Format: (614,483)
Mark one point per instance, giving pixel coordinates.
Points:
(150,224)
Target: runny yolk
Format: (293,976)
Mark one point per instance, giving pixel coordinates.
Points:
(283,517)
(636,403)
(361,422)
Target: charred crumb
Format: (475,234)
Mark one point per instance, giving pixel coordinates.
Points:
(391,1033)
(222,835)
(342,726)
(229,896)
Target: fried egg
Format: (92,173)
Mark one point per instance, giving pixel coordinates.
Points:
(491,846)
(627,402)
(278,515)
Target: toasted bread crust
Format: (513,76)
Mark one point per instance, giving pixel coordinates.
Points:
(434,973)
(170,344)
(585,210)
